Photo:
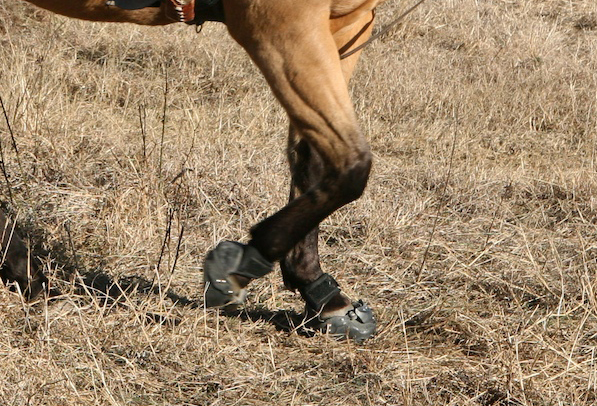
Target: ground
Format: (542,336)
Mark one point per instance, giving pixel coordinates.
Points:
(129,152)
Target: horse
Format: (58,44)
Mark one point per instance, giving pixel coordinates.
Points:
(297,46)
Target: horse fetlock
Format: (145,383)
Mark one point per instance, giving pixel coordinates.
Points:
(224,268)
(319,292)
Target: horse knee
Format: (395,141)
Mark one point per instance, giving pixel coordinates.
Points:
(353,180)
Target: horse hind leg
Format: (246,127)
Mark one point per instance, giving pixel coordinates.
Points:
(18,265)
(305,164)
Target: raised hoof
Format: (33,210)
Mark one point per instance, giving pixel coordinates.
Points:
(357,324)
(228,258)
(220,263)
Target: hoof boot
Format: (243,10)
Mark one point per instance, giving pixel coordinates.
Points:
(357,324)
(220,263)
(228,258)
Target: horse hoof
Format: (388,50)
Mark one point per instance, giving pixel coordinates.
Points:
(229,257)
(220,263)
(358,324)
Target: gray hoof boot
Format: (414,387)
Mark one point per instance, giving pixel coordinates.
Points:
(226,259)
(357,324)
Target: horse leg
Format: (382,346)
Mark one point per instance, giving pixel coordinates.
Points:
(294,46)
(17,264)
(97,10)
(302,264)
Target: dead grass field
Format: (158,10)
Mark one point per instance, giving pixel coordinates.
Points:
(502,312)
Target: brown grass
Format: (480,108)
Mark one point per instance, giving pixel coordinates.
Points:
(502,312)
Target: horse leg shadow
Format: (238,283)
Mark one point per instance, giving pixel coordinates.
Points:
(100,286)
(22,271)
(287,321)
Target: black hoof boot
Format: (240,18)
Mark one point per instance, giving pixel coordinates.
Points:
(226,259)
(357,324)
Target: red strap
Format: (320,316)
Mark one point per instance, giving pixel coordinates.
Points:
(180,10)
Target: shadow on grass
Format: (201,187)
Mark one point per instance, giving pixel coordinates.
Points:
(101,287)
(73,278)
(284,320)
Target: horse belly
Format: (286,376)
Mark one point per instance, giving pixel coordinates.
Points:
(340,8)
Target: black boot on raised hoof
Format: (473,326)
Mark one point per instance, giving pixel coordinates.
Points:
(354,321)
(231,258)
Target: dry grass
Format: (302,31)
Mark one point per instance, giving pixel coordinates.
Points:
(503,311)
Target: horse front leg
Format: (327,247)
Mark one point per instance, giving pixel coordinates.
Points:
(301,265)
(294,46)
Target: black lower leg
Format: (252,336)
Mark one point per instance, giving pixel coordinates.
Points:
(301,264)
(301,267)
(275,236)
